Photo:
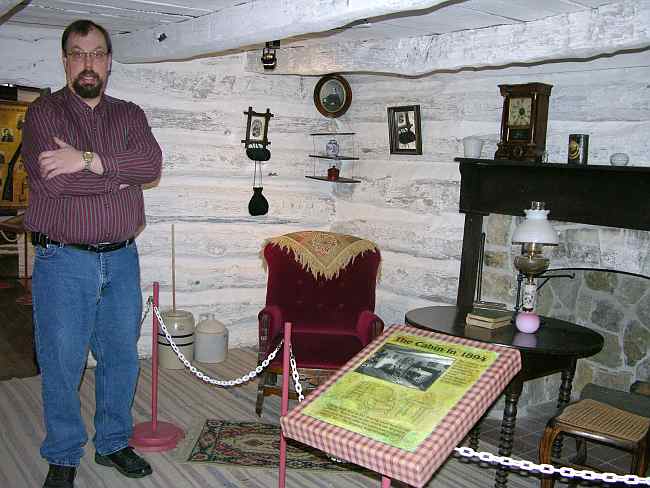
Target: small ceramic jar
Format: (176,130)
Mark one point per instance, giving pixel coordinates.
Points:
(332,148)
(619,159)
(333,173)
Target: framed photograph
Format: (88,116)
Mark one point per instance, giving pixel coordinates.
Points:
(332,96)
(404,130)
(257,127)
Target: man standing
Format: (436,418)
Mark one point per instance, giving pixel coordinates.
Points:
(87,155)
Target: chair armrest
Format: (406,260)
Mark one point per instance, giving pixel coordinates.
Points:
(369,326)
(269,323)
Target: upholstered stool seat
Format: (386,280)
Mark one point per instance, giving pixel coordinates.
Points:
(592,420)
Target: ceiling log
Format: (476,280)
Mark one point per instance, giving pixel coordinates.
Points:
(248,24)
(7,6)
(578,35)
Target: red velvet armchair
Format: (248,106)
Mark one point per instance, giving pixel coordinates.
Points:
(324,284)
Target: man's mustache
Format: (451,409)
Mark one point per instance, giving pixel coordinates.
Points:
(87,72)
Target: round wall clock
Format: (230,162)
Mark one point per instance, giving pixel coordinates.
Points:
(332,95)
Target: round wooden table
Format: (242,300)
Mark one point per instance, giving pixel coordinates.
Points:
(555,347)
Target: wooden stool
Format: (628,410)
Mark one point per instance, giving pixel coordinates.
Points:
(589,420)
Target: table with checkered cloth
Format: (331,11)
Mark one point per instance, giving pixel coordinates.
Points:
(414,468)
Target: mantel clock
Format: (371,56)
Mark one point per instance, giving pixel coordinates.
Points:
(523,121)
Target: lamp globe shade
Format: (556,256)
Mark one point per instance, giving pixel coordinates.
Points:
(536,228)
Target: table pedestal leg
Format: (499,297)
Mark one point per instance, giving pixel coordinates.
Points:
(563,399)
(512,393)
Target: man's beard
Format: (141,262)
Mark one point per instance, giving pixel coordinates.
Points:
(88,91)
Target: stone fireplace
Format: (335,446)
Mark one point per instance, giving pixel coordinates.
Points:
(610,286)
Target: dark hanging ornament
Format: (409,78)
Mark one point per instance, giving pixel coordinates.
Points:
(257,126)
(258,204)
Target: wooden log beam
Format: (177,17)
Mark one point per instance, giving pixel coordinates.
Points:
(6,6)
(584,34)
(250,23)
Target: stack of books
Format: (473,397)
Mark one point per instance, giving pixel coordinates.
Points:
(489,318)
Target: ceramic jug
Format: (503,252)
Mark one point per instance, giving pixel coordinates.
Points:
(180,325)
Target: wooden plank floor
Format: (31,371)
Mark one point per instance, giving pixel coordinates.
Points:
(16,330)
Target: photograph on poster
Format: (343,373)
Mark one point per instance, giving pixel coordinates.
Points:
(406,367)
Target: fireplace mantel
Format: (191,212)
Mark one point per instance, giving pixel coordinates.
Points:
(610,196)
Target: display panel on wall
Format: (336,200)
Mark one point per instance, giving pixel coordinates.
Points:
(404,130)
(13,177)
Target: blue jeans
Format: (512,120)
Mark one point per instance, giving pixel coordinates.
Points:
(83,300)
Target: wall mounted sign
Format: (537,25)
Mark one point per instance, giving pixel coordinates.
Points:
(332,95)
(13,177)
(404,130)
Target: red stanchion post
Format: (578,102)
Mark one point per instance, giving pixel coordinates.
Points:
(284,405)
(154,357)
(155,436)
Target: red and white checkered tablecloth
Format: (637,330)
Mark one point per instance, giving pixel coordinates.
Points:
(413,468)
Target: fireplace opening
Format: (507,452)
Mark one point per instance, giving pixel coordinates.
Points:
(617,305)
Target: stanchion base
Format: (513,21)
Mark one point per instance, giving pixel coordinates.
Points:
(164,438)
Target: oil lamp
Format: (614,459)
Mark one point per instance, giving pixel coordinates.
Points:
(533,234)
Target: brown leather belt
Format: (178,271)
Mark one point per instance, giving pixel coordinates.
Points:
(42,240)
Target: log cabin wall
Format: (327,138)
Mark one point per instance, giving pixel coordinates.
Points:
(407,204)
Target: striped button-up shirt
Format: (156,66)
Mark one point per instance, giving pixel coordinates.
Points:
(83,207)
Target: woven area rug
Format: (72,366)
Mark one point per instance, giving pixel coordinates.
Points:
(252,445)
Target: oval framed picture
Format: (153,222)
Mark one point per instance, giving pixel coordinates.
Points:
(332,95)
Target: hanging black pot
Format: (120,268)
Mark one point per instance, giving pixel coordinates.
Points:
(258,204)
(258,153)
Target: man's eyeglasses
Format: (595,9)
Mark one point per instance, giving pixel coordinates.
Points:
(83,55)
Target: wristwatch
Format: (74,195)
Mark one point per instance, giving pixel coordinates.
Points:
(87,157)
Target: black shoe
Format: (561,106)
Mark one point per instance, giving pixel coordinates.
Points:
(126,462)
(60,476)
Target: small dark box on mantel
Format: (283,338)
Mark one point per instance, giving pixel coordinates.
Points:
(578,149)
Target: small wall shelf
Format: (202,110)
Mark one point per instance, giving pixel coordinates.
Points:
(340,179)
(331,152)
(337,158)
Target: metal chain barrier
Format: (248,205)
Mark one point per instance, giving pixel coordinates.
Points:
(295,376)
(202,376)
(147,310)
(466,452)
(547,469)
